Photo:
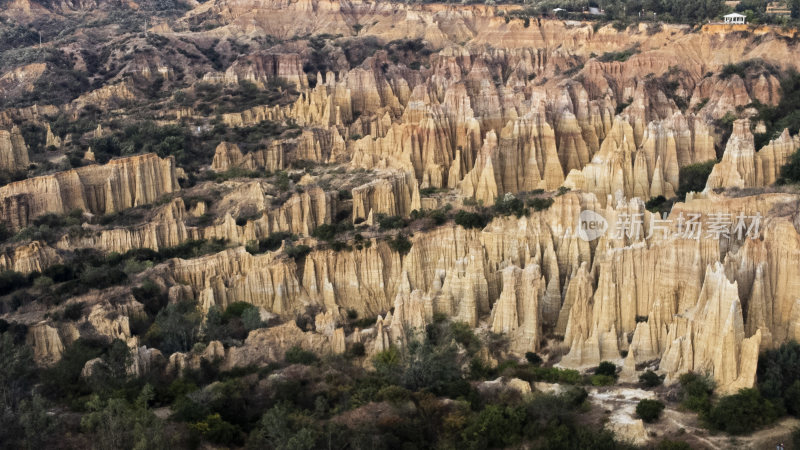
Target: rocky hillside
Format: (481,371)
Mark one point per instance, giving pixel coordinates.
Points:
(231,184)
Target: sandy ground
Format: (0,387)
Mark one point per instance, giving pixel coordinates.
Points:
(616,405)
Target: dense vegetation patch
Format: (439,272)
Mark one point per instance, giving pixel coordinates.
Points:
(693,178)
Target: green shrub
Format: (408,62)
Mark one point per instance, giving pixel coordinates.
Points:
(790,172)
(540,204)
(778,374)
(297,252)
(621,56)
(401,244)
(235,310)
(328,232)
(151,296)
(496,426)
(533,358)
(339,246)
(357,349)
(251,319)
(697,391)
(282,428)
(606,368)
(63,380)
(509,205)
(464,335)
(470,220)
(651,379)
(743,412)
(297,355)
(387,361)
(218,431)
(11,281)
(73,311)
(394,394)
(602,380)
(389,222)
(549,374)
(693,178)
(656,204)
(269,243)
(649,410)
(176,328)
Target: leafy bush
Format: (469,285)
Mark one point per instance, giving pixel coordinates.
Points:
(297,252)
(297,355)
(269,243)
(790,172)
(328,232)
(620,56)
(743,412)
(548,374)
(401,244)
(116,423)
(697,391)
(281,428)
(151,296)
(73,311)
(251,319)
(176,328)
(11,281)
(64,380)
(509,205)
(235,310)
(649,410)
(693,178)
(602,380)
(778,376)
(463,334)
(606,368)
(389,222)
(218,431)
(651,379)
(533,358)
(470,220)
(540,204)
(657,204)
(357,349)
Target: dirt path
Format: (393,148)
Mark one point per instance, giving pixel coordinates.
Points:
(619,403)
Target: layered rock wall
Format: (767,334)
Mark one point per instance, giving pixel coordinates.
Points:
(120,184)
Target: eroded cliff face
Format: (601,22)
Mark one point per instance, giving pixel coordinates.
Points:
(742,167)
(680,300)
(263,68)
(120,184)
(13,151)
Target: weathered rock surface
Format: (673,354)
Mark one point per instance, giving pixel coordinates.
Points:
(120,184)
(13,151)
(742,167)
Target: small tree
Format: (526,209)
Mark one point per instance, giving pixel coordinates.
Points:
(649,410)
(251,318)
(743,412)
(651,379)
(176,327)
(606,368)
(533,358)
(297,355)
